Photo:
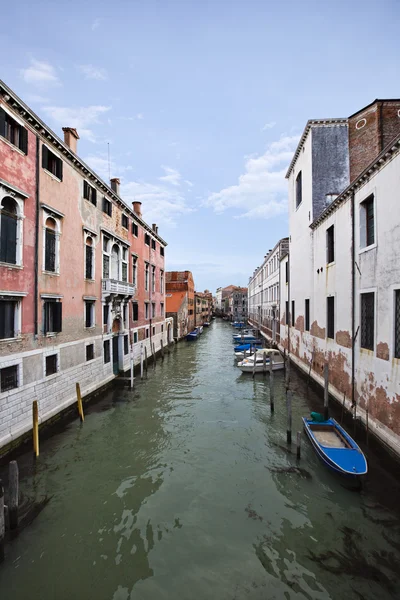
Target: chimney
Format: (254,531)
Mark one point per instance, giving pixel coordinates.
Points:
(137,208)
(71,138)
(115,185)
(154,227)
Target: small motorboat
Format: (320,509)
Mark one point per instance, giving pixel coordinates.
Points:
(248,347)
(238,324)
(255,363)
(193,335)
(335,447)
(206,324)
(245,338)
(200,329)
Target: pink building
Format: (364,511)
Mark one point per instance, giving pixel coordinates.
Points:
(81,273)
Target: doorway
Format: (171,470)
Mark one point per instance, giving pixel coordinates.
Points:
(115,346)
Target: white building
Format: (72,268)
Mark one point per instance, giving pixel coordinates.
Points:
(343,297)
(264,292)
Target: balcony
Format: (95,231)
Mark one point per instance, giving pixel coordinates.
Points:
(113,286)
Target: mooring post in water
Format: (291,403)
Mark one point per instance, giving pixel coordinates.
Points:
(287,372)
(13,494)
(255,363)
(79,400)
(35,418)
(366,423)
(298,445)
(2,522)
(162,349)
(264,363)
(141,360)
(145,358)
(355,419)
(289,416)
(154,356)
(326,391)
(271,383)
(343,405)
(132,367)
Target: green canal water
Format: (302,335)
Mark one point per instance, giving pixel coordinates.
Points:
(184,489)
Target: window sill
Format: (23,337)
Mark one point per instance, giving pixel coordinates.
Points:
(52,376)
(51,273)
(331,264)
(90,280)
(367,248)
(13,146)
(52,175)
(367,351)
(11,340)
(298,206)
(50,334)
(10,265)
(90,327)
(90,202)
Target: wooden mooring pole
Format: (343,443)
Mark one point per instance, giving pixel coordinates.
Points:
(132,367)
(13,494)
(79,400)
(271,385)
(2,522)
(289,416)
(35,428)
(141,360)
(298,445)
(326,391)
(162,349)
(145,358)
(154,355)
(265,363)
(255,363)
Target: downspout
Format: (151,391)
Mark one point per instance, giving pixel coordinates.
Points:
(353,308)
(36,258)
(150,288)
(289,308)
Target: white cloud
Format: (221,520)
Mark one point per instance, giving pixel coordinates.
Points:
(171,176)
(80,117)
(96,24)
(268,126)
(40,73)
(140,116)
(36,98)
(261,192)
(188,183)
(91,72)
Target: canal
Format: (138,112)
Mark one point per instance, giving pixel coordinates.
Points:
(185,489)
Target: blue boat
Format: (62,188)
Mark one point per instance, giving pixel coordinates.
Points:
(251,347)
(193,335)
(246,339)
(336,448)
(238,324)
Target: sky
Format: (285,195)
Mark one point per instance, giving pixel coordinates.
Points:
(201,104)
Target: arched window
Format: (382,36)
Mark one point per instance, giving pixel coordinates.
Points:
(50,245)
(9,231)
(115,262)
(89,262)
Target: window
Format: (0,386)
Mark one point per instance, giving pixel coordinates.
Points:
(90,352)
(124,221)
(147,333)
(105,314)
(162,309)
(299,191)
(52,316)
(153,278)
(124,271)
(162,250)
(51,364)
(8,311)
(52,163)
(89,193)
(153,244)
(146,310)
(367,325)
(50,246)
(330,317)
(89,313)
(286,271)
(106,266)
(89,264)
(9,225)
(162,328)
(126,344)
(153,310)
(134,270)
(367,222)
(154,331)
(307,315)
(15,133)
(146,277)
(8,378)
(397,323)
(330,244)
(135,337)
(147,239)
(287,312)
(107,206)
(162,282)
(293,318)
(135,311)
(135,229)
(115,261)
(125,315)
(106,351)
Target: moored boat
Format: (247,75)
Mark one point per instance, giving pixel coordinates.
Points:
(193,335)
(251,347)
(238,324)
(206,324)
(336,448)
(255,362)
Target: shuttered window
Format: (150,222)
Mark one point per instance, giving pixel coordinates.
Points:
(397,324)
(50,251)
(52,163)
(12,131)
(135,229)
(330,317)
(106,351)
(135,311)
(52,317)
(124,221)
(89,262)
(89,313)
(8,378)
(367,222)
(107,206)
(7,319)
(89,193)
(147,239)
(367,324)
(153,244)
(8,232)
(330,244)
(307,315)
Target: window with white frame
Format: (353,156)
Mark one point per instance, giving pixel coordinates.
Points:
(89,313)
(124,265)
(146,276)
(146,310)
(9,378)
(115,262)
(89,193)
(11,215)
(153,310)
(134,270)
(12,131)
(89,258)
(153,278)
(106,257)
(52,316)
(51,244)
(162,282)
(367,222)
(10,316)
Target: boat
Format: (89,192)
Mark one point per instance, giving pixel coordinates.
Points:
(200,329)
(247,365)
(335,447)
(252,347)
(238,324)
(245,337)
(193,335)
(206,324)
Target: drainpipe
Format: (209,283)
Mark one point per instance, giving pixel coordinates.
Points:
(289,308)
(150,288)
(353,300)
(36,258)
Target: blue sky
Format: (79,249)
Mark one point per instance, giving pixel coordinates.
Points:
(202,103)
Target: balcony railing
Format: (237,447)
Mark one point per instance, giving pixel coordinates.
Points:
(113,286)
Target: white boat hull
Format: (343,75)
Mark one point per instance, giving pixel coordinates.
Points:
(249,368)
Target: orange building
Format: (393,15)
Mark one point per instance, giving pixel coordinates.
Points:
(179,298)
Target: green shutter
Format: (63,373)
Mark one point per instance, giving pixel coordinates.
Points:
(45,157)
(2,122)
(23,140)
(85,190)
(59,169)
(57,317)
